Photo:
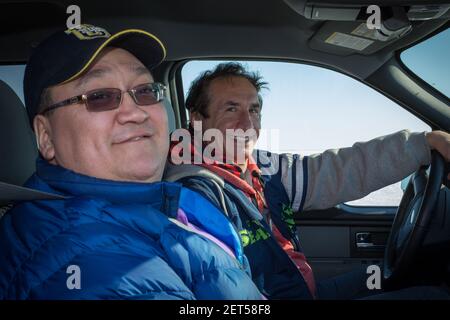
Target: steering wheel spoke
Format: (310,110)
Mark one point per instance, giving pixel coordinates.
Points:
(419,181)
(411,222)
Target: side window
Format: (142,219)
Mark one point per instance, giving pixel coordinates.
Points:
(12,75)
(312,109)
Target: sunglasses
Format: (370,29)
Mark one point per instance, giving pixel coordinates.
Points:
(110,98)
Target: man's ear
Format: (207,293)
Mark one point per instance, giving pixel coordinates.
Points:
(43,132)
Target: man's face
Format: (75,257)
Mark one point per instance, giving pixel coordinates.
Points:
(129,143)
(233,104)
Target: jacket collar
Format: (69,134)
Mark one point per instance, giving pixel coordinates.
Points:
(161,195)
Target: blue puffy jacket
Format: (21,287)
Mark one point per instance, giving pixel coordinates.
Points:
(120,241)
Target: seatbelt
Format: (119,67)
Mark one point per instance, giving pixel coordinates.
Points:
(11,192)
(174,173)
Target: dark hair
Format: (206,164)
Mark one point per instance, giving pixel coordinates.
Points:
(198,98)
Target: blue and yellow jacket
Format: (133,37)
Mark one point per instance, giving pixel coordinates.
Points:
(119,240)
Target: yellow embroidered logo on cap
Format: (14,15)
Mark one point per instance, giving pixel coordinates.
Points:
(88,32)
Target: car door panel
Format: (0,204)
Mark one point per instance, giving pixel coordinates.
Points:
(341,239)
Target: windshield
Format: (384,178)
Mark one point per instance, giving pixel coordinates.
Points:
(429,60)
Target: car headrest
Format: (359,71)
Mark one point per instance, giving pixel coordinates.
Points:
(18,150)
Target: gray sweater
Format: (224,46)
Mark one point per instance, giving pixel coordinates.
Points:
(346,174)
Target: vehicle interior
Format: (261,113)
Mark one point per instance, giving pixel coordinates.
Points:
(298,31)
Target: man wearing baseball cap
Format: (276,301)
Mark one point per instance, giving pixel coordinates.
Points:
(116,231)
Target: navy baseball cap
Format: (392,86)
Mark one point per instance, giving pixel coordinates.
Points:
(66,55)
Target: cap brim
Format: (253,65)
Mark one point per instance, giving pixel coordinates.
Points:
(143,45)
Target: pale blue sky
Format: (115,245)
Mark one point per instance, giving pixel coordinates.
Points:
(316,109)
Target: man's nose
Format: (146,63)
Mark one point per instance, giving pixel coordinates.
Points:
(129,111)
(245,120)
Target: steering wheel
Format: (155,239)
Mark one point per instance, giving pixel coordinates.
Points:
(411,221)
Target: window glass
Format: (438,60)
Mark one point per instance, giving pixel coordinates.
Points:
(312,109)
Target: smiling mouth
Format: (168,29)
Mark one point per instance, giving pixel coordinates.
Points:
(246,138)
(139,138)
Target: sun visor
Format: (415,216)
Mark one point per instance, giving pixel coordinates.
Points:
(345,38)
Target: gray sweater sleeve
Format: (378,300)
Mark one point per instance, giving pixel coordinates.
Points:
(346,174)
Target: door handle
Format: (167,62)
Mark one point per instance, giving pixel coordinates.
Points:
(364,241)
(369,246)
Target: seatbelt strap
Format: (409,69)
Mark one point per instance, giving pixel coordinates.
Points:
(11,192)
